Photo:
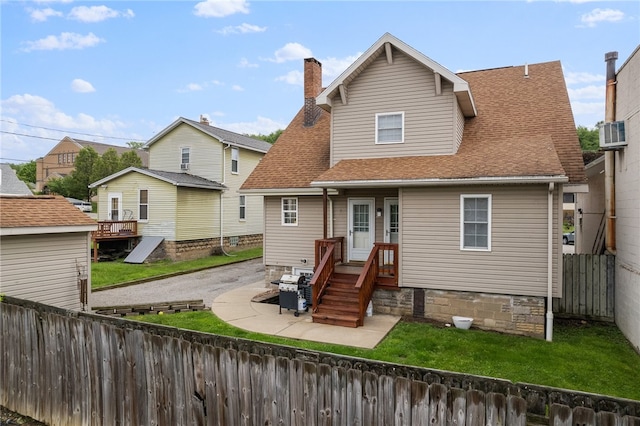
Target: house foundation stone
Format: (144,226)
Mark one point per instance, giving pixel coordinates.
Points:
(523,315)
(196,249)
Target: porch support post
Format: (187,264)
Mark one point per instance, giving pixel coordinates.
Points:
(324,213)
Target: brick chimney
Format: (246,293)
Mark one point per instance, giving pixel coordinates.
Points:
(204,120)
(312,88)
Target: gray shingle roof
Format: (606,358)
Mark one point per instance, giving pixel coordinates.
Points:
(177,179)
(10,184)
(222,135)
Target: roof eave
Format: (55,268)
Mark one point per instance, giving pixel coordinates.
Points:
(441,182)
(286,191)
(33,230)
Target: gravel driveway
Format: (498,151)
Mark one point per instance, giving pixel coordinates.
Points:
(205,285)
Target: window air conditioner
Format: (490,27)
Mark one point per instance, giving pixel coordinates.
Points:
(184,166)
(612,135)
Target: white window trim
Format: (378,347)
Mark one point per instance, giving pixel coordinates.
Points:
(401,113)
(139,204)
(282,211)
(240,206)
(489,221)
(235,151)
(182,148)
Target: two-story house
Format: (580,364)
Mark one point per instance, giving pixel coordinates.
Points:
(188,197)
(60,161)
(430,193)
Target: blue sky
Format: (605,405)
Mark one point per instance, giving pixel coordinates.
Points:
(115,71)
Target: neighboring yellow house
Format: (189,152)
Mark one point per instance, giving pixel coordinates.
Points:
(189,195)
(60,161)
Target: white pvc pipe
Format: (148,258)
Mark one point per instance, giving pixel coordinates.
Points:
(549,322)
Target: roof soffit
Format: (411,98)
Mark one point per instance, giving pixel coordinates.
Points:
(384,46)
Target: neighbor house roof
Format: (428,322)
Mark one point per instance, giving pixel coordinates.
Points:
(524,130)
(101,148)
(225,136)
(9,182)
(41,215)
(176,179)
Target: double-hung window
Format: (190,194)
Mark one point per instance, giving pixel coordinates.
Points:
(235,158)
(475,222)
(185,156)
(290,211)
(243,207)
(143,204)
(390,128)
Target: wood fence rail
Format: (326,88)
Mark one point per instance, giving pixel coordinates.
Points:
(72,368)
(589,287)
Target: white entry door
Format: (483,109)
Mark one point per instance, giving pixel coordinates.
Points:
(361,228)
(391,220)
(391,225)
(114,211)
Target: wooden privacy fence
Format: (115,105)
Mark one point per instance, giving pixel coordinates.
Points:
(73,368)
(588,289)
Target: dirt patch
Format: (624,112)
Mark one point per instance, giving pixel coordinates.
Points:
(269,296)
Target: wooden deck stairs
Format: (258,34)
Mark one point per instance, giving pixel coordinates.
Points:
(339,304)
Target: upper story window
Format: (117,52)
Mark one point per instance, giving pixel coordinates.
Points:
(235,158)
(390,127)
(143,208)
(185,156)
(290,211)
(475,222)
(243,207)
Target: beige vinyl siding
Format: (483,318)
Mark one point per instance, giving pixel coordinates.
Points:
(459,129)
(42,268)
(162,203)
(517,263)
(287,245)
(198,212)
(205,153)
(405,86)
(253,224)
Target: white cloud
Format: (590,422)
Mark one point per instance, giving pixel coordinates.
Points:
(220,8)
(237,88)
(242,29)
(588,92)
(38,111)
(64,41)
(192,87)
(262,126)
(295,78)
(583,77)
(41,15)
(291,52)
(244,63)
(333,67)
(97,13)
(598,15)
(81,86)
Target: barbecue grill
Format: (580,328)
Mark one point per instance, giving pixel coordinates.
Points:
(292,293)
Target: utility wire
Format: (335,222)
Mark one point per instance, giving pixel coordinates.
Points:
(61,131)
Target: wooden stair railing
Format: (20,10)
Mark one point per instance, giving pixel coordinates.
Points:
(382,259)
(322,275)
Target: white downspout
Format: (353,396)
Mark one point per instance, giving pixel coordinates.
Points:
(224,179)
(549,322)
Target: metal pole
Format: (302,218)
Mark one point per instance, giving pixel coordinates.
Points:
(609,156)
(324,213)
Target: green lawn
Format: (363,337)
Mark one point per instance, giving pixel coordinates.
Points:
(105,274)
(587,357)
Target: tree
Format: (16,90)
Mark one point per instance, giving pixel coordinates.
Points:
(78,181)
(130,159)
(58,186)
(589,138)
(105,165)
(26,172)
(271,137)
